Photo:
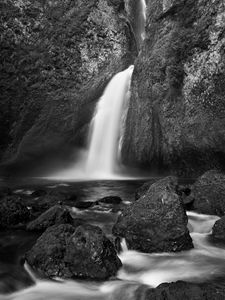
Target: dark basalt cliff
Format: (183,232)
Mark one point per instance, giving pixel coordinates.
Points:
(176,115)
(56,59)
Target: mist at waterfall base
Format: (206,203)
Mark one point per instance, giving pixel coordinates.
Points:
(100,160)
(205,262)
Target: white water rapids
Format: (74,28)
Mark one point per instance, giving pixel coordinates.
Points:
(203,262)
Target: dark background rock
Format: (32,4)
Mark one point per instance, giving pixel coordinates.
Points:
(55,215)
(208,194)
(176,112)
(12,212)
(183,290)
(218,230)
(157,221)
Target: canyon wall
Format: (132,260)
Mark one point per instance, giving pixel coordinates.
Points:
(176,115)
(56,59)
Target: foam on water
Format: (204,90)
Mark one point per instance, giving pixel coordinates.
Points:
(203,262)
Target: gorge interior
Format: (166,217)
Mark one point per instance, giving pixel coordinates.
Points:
(101,159)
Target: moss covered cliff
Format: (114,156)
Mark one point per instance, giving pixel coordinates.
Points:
(176,115)
(56,58)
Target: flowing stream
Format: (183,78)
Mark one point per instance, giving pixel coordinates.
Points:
(205,261)
(101,160)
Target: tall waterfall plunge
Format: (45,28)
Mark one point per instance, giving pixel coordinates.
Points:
(101,158)
(106,124)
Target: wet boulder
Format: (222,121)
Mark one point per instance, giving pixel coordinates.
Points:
(142,189)
(110,200)
(91,255)
(39,193)
(13,212)
(218,230)
(157,222)
(183,290)
(82,252)
(55,215)
(83,204)
(39,201)
(208,193)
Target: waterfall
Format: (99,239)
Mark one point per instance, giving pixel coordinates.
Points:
(143,19)
(105,126)
(101,158)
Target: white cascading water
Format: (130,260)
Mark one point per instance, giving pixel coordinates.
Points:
(103,147)
(204,261)
(101,159)
(143,19)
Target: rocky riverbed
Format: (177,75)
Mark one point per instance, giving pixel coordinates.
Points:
(93,232)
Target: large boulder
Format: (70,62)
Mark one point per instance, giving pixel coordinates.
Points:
(157,222)
(55,215)
(218,230)
(13,212)
(208,193)
(182,190)
(182,290)
(175,116)
(82,252)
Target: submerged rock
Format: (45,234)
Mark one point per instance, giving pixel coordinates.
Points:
(42,201)
(39,193)
(110,200)
(82,252)
(218,230)
(83,204)
(55,215)
(157,222)
(13,212)
(208,193)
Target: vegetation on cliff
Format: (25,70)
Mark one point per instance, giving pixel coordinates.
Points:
(176,111)
(56,56)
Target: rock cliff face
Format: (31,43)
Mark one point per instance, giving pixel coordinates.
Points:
(176,115)
(56,59)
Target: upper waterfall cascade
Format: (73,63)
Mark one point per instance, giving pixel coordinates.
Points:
(143,19)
